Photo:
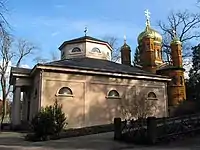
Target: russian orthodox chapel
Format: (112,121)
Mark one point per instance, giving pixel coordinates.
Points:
(92,89)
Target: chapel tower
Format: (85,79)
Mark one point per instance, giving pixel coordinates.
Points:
(149,42)
(126,53)
(176,90)
(176,87)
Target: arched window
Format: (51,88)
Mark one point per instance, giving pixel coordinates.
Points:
(35,93)
(96,50)
(108,54)
(174,80)
(76,50)
(158,53)
(63,55)
(181,80)
(151,46)
(65,91)
(151,95)
(113,94)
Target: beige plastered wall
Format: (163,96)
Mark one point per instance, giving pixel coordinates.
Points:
(35,94)
(89,104)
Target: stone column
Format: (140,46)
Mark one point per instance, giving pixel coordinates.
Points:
(24,107)
(16,107)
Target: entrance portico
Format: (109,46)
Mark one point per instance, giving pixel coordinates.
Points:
(21,96)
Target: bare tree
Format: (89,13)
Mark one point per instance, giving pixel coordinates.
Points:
(39,59)
(138,108)
(4,25)
(53,57)
(116,49)
(186,26)
(24,48)
(9,55)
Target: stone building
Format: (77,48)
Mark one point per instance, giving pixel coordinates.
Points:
(85,81)
(92,89)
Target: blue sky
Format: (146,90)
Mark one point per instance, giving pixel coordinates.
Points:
(48,23)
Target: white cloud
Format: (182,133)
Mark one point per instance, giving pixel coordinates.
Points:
(59,6)
(55,33)
(25,66)
(96,27)
(188,66)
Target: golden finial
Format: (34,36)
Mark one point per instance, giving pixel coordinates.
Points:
(174,33)
(175,39)
(124,39)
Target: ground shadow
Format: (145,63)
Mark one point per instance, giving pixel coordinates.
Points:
(98,141)
(15,141)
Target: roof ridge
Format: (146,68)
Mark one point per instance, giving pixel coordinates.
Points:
(80,39)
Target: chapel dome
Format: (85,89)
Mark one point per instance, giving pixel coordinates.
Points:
(150,33)
(175,41)
(126,46)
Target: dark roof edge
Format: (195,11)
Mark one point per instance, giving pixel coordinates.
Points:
(20,70)
(104,72)
(171,68)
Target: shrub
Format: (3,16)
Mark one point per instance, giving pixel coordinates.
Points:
(48,122)
(186,107)
(59,118)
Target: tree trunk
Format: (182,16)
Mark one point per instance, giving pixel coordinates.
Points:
(3,113)
(3,82)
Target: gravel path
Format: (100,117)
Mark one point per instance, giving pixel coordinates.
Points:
(104,141)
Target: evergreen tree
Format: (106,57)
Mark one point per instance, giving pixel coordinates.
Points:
(194,75)
(136,60)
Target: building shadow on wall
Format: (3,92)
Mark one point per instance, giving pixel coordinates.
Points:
(133,102)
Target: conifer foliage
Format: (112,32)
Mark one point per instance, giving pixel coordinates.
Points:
(136,60)
(48,122)
(194,75)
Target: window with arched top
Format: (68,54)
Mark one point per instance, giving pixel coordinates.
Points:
(174,80)
(65,91)
(35,93)
(158,53)
(63,55)
(181,80)
(151,95)
(113,94)
(76,50)
(96,50)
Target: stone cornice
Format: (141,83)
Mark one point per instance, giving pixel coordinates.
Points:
(136,75)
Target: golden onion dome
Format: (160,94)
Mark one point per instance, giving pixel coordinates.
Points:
(150,33)
(176,41)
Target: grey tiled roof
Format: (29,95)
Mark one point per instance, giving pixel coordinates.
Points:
(169,67)
(81,39)
(20,70)
(99,65)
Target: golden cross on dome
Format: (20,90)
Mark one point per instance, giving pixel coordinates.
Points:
(174,33)
(147,14)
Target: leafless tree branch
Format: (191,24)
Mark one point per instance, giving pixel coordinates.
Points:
(116,50)
(8,55)
(186,26)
